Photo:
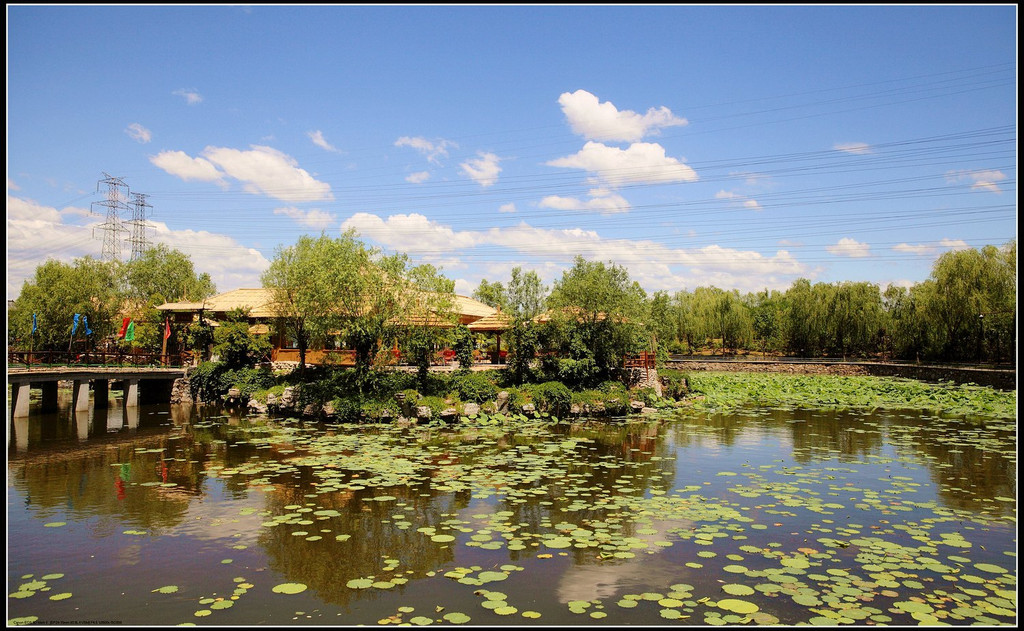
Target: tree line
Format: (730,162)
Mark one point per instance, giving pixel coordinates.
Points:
(340,289)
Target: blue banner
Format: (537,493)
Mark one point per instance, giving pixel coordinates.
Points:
(33,324)
(74,327)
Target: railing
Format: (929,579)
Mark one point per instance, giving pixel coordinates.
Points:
(642,360)
(94,358)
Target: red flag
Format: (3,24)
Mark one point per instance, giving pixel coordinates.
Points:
(124,327)
(167,328)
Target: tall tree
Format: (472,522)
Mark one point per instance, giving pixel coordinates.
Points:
(526,294)
(317,286)
(600,310)
(57,292)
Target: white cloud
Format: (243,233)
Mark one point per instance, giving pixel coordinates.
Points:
(11,186)
(651,263)
(261,170)
(859,148)
(641,163)
(507,208)
(603,121)
(36,233)
(192,97)
(980,180)
(314,218)
(182,165)
(483,170)
(601,200)
(318,139)
(954,244)
(412,233)
(920,249)
(139,133)
(433,150)
(418,178)
(850,248)
(746,202)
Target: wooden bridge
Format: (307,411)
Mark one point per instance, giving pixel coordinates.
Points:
(155,382)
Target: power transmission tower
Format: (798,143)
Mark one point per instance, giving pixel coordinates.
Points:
(138,225)
(117,193)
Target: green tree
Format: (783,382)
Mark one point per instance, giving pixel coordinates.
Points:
(318,286)
(854,317)
(492,294)
(599,311)
(236,345)
(161,274)
(525,295)
(969,284)
(767,313)
(57,292)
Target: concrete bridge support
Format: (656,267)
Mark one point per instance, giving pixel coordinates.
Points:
(80,395)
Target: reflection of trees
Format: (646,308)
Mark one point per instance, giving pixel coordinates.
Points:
(818,434)
(109,482)
(968,463)
(327,565)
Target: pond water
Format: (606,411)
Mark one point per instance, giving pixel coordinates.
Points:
(169,515)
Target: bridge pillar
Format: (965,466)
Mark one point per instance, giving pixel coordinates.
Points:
(82,424)
(49,400)
(20,393)
(100,393)
(80,395)
(131,392)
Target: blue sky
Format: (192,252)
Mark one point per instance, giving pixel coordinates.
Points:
(736,146)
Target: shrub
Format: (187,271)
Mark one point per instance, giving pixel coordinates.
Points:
(577,374)
(552,396)
(206,382)
(250,380)
(473,387)
(674,385)
(348,409)
(436,405)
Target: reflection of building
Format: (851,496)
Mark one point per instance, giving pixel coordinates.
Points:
(262,317)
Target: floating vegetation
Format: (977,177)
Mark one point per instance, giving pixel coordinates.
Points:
(875,514)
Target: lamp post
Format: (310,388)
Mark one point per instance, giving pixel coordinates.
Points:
(981,342)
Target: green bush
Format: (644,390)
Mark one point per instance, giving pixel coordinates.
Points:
(250,380)
(436,405)
(552,396)
(577,374)
(616,397)
(475,387)
(348,409)
(674,385)
(206,382)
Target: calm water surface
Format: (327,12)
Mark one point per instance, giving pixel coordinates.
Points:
(173,515)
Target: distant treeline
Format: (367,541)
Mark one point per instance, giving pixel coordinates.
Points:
(965,311)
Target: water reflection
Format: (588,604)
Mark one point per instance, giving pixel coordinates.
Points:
(592,509)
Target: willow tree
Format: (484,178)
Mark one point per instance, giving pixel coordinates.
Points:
(88,287)
(599,312)
(316,285)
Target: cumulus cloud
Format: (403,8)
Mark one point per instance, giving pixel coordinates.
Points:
(138,133)
(859,148)
(313,218)
(432,149)
(595,120)
(318,139)
(507,208)
(651,263)
(920,249)
(483,169)
(954,244)
(601,200)
(979,180)
(418,178)
(192,97)
(182,165)
(261,170)
(849,248)
(641,163)
(36,233)
(412,233)
(751,204)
